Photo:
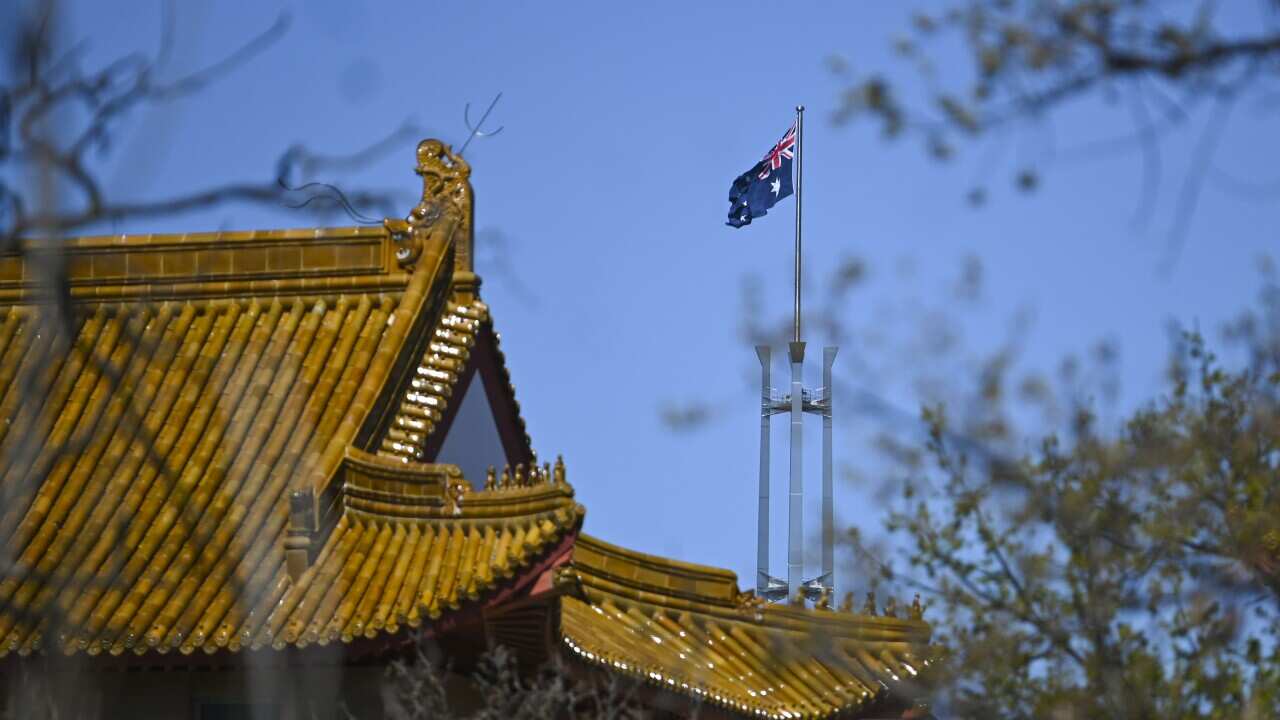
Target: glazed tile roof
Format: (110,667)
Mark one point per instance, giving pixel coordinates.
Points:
(437,377)
(382,571)
(168,434)
(424,403)
(188,451)
(686,629)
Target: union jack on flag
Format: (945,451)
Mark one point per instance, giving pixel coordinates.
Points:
(785,149)
(767,182)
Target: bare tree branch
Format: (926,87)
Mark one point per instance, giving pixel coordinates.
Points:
(1031,60)
(108,95)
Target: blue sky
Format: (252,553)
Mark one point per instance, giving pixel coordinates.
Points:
(624,125)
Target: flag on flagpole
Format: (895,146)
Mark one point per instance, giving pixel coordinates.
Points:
(761,187)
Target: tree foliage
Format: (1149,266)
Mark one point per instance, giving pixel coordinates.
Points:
(1079,566)
(1106,572)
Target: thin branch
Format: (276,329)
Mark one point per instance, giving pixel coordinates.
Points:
(1189,196)
(270,194)
(1148,135)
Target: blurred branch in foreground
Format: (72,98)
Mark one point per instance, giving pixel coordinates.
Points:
(58,121)
(57,118)
(1029,61)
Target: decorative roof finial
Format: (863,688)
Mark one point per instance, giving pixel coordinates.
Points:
(824,599)
(455,488)
(917,609)
(506,476)
(846,604)
(445,185)
(891,608)
(490,479)
(559,471)
(446,178)
(869,607)
(546,472)
(751,604)
(520,478)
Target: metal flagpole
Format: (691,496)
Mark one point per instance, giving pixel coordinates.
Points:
(799,194)
(795,519)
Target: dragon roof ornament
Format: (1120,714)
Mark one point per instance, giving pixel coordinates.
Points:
(446,185)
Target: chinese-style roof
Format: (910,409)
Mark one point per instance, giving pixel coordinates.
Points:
(196,445)
(407,551)
(687,629)
(230,441)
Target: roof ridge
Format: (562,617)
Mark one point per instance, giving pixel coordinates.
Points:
(380,488)
(221,264)
(657,580)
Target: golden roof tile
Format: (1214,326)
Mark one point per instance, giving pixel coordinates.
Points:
(687,629)
(155,440)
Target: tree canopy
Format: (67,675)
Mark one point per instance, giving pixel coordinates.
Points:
(1105,572)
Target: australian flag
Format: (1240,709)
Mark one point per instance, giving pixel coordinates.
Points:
(761,187)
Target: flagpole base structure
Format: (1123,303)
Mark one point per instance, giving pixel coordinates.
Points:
(825,408)
(797,402)
(767,586)
(795,494)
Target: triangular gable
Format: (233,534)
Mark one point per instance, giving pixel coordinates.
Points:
(484,424)
(472,440)
(458,405)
